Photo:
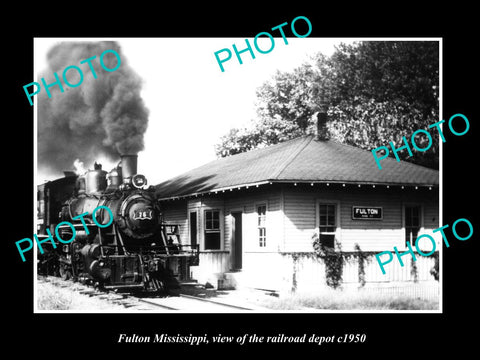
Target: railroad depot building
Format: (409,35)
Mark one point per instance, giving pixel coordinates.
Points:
(253,215)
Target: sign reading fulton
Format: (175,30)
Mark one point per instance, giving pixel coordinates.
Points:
(367,212)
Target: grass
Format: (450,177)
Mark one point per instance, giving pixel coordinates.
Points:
(339,300)
(50,297)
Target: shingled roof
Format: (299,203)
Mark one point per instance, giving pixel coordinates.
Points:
(302,159)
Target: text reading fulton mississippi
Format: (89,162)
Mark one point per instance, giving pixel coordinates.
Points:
(163,338)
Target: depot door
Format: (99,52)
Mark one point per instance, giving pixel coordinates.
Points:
(236,240)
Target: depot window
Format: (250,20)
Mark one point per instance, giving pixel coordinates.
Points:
(327,223)
(412,223)
(212,230)
(261,224)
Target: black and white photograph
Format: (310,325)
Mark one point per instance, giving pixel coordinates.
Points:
(271,187)
(281,207)
(277,206)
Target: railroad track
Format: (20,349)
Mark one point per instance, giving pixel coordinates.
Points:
(181,302)
(191,303)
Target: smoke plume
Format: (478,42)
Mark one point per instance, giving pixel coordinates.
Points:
(102,117)
(79,167)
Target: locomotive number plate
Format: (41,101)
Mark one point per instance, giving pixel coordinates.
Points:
(145,214)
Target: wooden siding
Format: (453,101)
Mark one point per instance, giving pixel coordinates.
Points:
(200,205)
(175,212)
(304,272)
(307,272)
(292,216)
(265,271)
(288,262)
(211,266)
(246,203)
(212,261)
(300,211)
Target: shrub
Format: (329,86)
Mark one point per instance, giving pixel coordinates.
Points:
(414,270)
(333,261)
(435,271)
(361,265)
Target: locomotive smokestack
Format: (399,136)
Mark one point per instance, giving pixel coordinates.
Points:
(129,166)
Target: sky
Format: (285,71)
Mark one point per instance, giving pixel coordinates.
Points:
(192,103)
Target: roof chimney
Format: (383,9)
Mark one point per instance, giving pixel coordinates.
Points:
(321,132)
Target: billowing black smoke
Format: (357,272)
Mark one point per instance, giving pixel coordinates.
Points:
(102,117)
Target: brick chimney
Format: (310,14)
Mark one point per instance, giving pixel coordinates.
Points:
(321,131)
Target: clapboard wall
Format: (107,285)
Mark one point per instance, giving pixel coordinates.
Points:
(292,219)
(300,208)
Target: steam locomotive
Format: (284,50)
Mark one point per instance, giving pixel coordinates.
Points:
(137,250)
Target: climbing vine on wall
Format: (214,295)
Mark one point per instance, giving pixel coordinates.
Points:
(333,260)
(435,271)
(414,270)
(361,265)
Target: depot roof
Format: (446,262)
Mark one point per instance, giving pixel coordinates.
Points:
(302,159)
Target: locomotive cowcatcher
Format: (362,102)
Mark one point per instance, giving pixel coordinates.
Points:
(137,250)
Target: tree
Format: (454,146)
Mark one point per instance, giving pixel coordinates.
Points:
(403,71)
(376,92)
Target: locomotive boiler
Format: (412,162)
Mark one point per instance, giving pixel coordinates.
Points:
(134,249)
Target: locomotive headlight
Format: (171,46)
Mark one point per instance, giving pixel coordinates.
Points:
(139,181)
(101,263)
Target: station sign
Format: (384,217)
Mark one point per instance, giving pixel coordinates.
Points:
(367,213)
